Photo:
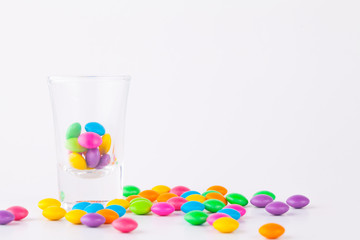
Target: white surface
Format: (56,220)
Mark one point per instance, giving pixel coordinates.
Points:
(248,94)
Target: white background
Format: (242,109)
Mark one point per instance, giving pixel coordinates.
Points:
(251,95)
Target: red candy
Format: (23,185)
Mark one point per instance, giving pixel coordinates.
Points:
(19,212)
(124,224)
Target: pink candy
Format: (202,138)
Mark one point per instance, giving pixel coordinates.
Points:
(124,224)
(162,208)
(89,140)
(177,202)
(179,190)
(19,212)
(213,217)
(238,208)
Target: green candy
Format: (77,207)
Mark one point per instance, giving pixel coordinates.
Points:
(214,205)
(130,190)
(73,131)
(266,193)
(73,145)
(210,191)
(236,198)
(140,199)
(196,217)
(140,207)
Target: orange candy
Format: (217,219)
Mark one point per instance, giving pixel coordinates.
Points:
(165,196)
(271,230)
(149,194)
(109,215)
(217,196)
(218,188)
(129,198)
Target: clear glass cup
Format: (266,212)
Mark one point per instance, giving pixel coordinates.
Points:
(89,165)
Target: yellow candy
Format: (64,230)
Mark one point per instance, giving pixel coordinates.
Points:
(74,216)
(122,202)
(48,202)
(226,224)
(106,144)
(196,197)
(54,213)
(161,189)
(77,161)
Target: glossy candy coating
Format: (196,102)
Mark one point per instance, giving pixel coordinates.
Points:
(178,190)
(219,189)
(177,202)
(80,205)
(213,205)
(271,230)
(77,161)
(92,157)
(238,208)
(218,196)
(19,212)
(196,217)
(164,197)
(130,190)
(231,212)
(95,127)
(74,216)
(120,210)
(73,131)
(226,224)
(236,198)
(109,215)
(92,220)
(122,202)
(89,140)
(192,206)
(298,201)
(104,161)
(188,193)
(196,197)
(140,199)
(54,213)
(261,200)
(213,217)
(48,202)
(140,207)
(160,189)
(73,145)
(210,191)
(124,224)
(6,217)
(277,208)
(149,194)
(162,208)
(106,144)
(93,208)
(272,195)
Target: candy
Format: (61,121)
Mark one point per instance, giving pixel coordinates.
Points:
(271,230)
(236,198)
(196,217)
(48,202)
(178,190)
(196,197)
(129,198)
(140,199)
(89,140)
(92,220)
(54,213)
(104,161)
(162,208)
(210,191)
(80,205)
(213,205)
(73,145)
(266,193)
(231,212)
(120,210)
(149,194)
(106,144)
(217,196)
(191,206)
(77,161)
(219,189)
(140,207)
(177,202)
(73,131)
(277,208)
(125,225)
(122,202)
(130,190)
(109,215)
(74,216)
(161,189)
(92,157)
(298,201)
(19,212)
(213,217)
(95,128)
(226,224)
(6,217)
(238,208)
(164,197)
(261,200)
(93,208)
(188,193)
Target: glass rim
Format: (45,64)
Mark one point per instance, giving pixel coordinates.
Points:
(69,79)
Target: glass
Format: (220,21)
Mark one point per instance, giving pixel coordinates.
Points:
(89,165)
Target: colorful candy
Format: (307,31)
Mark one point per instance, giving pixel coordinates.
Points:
(271,230)
(73,131)
(178,190)
(177,202)
(210,191)
(149,194)
(238,208)
(92,220)
(213,205)
(298,201)
(106,144)
(120,210)
(140,207)
(196,217)
(236,198)
(125,225)
(192,206)
(140,199)
(92,157)
(219,189)
(122,202)
(6,217)
(95,128)
(130,190)
(277,208)
(218,196)
(164,197)
(231,212)
(54,213)
(93,208)
(89,140)
(226,224)
(160,189)
(196,197)
(19,212)
(77,161)
(213,217)
(80,205)
(109,215)
(74,216)
(188,193)
(73,145)
(261,200)
(48,202)
(272,195)
(162,208)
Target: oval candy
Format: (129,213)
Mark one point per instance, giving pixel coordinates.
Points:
(160,189)
(120,210)
(80,206)
(106,144)
(92,220)
(188,193)
(93,208)
(238,208)
(89,140)
(217,196)
(219,189)
(213,205)
(178,190)
(122,202)
(140,207)
(236,198)
(213,217)
(109,215)
(162,208)
(298,201)
(164,197)
(73,145)
(177,202)
(191,206)
(226,224)
(277,208)
(149,194)
(124,224)
(196,217)
(77,161)
(271,230)
(272,195)
(74,216)
(261,200)
(19,212)
(95,127)
(6,217)
(196,197)
(48,202)
(54,213)
(92,157)
(73,131)
(231,212)
(210,191)
(129,190)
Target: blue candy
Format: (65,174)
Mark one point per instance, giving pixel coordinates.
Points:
(118,209)
(80,205)
(231,212)
(188,193)
(191,206)
(95,127)
(94,207)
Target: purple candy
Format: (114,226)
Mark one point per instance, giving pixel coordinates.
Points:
(92,157)
(298,201)
(277,208)
(92,219)
(261,200)
(104,161)
(6,217)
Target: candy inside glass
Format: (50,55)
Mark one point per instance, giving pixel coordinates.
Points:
(80,105)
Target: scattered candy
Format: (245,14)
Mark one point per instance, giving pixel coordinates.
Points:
(238,208)
(177,202)
(231,212)
(130,190)
(93,220)
(140,207)
(140,199)
(93,208)
(109,215)
(162,208)
(122,202)
(219,189)
(188,193)
(6,217)
(196,197)
(226,224)
(217,196)
(54,213)
(271,230)
(74,216)
(160,189)
(19,212)
(266,193)
(236,198)
(261,200)
(149,194)
(213,205)
(213,217)
(178,190)
(80,205)
(95,128)
(192,206)
(164,197)
(196,217)
(120,210)
(48,202)
(298,201)
(277,208)
(73,131)
(125,225)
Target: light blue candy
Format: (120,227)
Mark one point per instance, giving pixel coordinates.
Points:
(95,127)
(118,209)
(80,205)
(231,212)
(94,207)
(191,206)
(188,193)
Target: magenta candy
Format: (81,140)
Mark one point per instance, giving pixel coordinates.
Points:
(162,208)
(104,161)
(19,212)
(177,202)
(238,208)
(6,217)
(261,200)
(213,217)
(124,224)
(298,201)
(92,220)
(277,208)
(89,140)
(92,157)
(178,190)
